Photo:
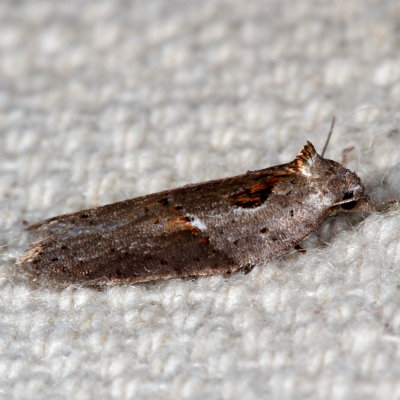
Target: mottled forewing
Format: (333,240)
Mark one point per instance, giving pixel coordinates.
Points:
(146,238)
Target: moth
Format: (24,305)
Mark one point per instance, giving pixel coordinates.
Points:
(206,228)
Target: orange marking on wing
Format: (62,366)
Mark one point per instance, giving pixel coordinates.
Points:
(256,187)
(297,163)
(204,240)
(180,223)
(255,194)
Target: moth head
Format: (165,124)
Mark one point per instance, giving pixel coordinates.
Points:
(350,195)
(342,187)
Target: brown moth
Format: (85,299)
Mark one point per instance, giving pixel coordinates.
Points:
(201,229)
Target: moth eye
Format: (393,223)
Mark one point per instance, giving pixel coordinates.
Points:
(350,204)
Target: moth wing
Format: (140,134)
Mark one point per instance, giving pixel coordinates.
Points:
(145,238)
(131,241)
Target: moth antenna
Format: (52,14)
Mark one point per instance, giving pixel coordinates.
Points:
(329,136)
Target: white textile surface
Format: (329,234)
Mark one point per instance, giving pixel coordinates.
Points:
(106,100)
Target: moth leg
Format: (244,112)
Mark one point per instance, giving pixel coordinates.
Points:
(227,273)
(300,249)
(346,155)
(247,268)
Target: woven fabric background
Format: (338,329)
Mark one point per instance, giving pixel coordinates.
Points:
(106,100)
